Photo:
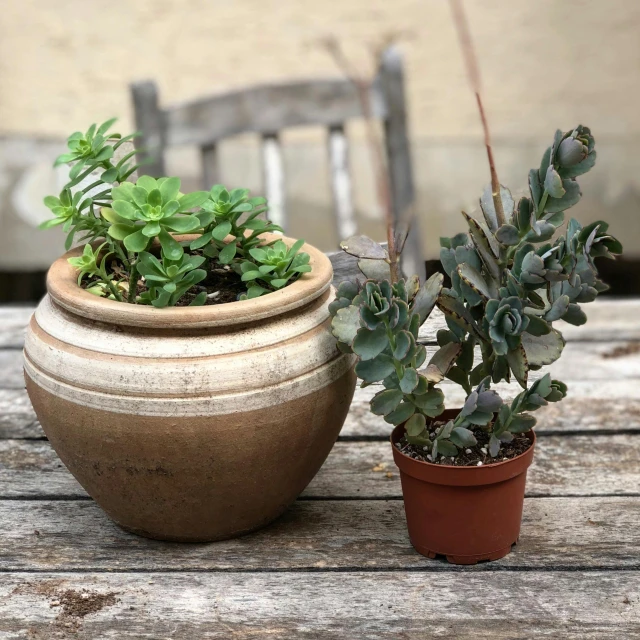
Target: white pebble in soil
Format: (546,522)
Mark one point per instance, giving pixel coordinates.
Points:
(479,464)
(484,450)
(467,450)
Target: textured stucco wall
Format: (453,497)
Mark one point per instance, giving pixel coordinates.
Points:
(545,64)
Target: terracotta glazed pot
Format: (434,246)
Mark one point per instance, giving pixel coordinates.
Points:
(191,423)
(468,514)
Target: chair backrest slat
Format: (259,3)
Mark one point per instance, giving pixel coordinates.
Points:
(210,166)
(341,182)
(265,109)
(274,181)
(150,121)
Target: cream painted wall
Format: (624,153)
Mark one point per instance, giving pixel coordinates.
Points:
(545,64)
(65,63)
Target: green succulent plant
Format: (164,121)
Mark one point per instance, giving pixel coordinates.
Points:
(128,216)
(153,208)
(273,265)
(231,213)
(168,280)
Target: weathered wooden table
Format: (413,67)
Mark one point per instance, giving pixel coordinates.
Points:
(339,564)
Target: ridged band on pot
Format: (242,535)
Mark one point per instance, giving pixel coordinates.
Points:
(194,423)
(467,514)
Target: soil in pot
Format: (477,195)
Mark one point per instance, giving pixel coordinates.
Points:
(475,456)
(467,513)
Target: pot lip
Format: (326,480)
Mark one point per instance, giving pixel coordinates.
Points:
(462,476)
(65,292)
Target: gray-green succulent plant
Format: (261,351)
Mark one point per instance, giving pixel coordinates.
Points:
(509,281)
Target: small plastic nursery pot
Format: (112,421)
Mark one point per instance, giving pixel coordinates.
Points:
(190,423)
(467,514)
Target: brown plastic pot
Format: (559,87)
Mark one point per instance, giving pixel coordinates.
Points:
(467,514)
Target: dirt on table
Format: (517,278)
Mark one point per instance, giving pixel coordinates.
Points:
(72,605)
(474,456)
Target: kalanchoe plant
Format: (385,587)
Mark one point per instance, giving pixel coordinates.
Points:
(509,282)
(121,221)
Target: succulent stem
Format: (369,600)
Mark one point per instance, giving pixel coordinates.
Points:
(133,278)
(473,74)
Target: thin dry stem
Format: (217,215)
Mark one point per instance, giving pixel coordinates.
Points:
(473,74)
(376,148)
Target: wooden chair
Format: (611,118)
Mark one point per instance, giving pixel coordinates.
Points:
(267,110)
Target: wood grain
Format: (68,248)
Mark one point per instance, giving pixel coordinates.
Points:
(556,533)
(384,605)
(563,465)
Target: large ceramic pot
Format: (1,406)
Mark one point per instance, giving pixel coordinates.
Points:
(192,423)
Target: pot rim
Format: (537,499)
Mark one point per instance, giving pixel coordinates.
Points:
(452,475)
(64,290)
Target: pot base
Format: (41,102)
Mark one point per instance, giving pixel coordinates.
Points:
(459,559)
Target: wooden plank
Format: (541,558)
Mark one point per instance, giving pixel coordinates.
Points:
(13,322)
(341,182)
(274,181)
(383,605)
(265,109)
(601,406)
(606,405)
(150,121)
(563,465)
(76,535)
(210,166)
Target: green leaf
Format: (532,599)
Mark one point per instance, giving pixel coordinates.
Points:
(462,437)
(221,231)
(442,361)
(483,247)
(508,235)
(404,411)
(415,425)
(427,296)
(199,300)
(192,200)
(200,242)
(522,423)
(488,208)
(368,344)
(447,448)
(374,370)
(227,254)
(170,188)
(375,269)
(517,359)
(181,224)
(541,350)
(125,209)
(135,242)
(537,326)
(250,275)
(256,291)
(345,324)
(363,247)
(110,175)
(171,248)
(474,280)
(386,401)
(404,342)
(575,315)
(409,380)
(151,229)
